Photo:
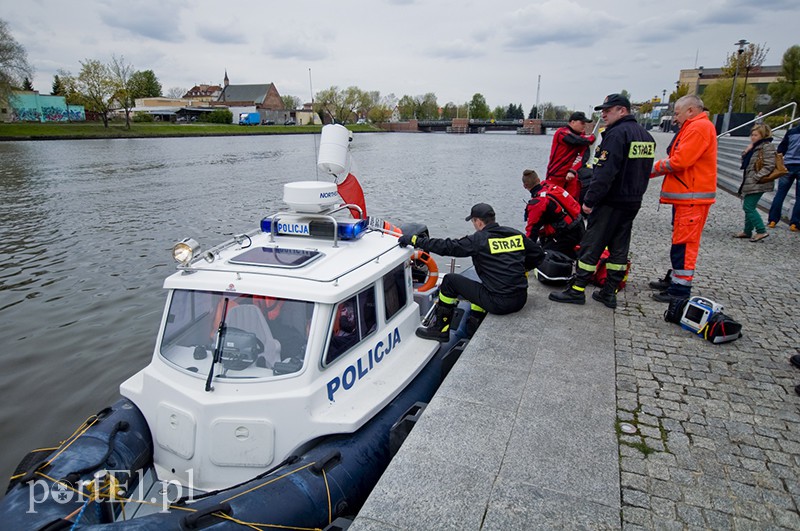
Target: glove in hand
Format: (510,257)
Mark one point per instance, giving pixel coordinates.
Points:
(405,240)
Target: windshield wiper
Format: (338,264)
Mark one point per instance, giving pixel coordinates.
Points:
(218,347)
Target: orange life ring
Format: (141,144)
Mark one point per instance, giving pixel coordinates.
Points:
(391,229)
(428,262)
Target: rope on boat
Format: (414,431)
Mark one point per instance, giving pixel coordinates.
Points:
(75,436)
(328,491)
(104,492)
(88,423)
(273,480)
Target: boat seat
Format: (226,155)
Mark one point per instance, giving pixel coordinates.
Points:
(249,318)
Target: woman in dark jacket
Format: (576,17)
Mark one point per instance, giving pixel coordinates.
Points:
(758,161)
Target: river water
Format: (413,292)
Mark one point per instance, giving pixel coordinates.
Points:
(86,229)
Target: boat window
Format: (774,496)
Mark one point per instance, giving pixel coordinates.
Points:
(395,295)
(264,336)
(353,320)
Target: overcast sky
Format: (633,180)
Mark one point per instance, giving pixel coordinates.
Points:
(582,49)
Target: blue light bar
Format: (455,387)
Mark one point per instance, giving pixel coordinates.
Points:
(347,229)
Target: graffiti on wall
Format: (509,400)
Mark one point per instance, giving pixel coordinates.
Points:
(25,115)
(32,107)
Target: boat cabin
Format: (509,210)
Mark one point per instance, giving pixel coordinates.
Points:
(298,330)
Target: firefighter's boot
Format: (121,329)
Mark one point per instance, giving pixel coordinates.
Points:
(662,283)
(439,328)
(607,295)
(573,295)
(473,322)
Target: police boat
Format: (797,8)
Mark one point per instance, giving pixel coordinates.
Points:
(286,373)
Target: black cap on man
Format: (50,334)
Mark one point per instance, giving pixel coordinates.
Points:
(480,211)
(614,100)
(579,116)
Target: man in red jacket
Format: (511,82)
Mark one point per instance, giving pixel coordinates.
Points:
(566,154)
(690,185)
(552,216)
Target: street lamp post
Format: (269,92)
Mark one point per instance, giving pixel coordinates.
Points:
(744,90)
(741,44)
(699,77)
(677,89)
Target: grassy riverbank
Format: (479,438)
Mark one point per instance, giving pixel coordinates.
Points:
(86,130)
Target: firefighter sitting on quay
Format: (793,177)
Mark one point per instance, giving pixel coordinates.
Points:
(501,257)
(552,216)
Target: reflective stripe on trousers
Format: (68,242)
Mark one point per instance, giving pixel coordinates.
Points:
(687,229)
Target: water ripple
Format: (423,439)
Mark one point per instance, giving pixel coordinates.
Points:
(87,227)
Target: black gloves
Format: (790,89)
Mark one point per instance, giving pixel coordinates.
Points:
(407,239)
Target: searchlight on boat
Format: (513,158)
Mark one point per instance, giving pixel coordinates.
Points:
(185,250)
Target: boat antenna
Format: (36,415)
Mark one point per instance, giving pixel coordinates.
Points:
(311,89)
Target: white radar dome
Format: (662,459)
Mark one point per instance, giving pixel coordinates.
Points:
(310,196)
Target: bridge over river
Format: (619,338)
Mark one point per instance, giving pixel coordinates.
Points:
(463,125)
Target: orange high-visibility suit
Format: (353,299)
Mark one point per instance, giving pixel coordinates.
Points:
(690,186)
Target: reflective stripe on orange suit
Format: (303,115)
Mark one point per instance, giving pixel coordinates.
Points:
(690,172)
(687,228)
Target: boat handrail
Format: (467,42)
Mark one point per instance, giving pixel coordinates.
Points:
(236,239)
(276,272)
(792,104)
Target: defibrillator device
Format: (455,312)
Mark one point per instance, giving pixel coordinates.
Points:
(697,313)
(703,317)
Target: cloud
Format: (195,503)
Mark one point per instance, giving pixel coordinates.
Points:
(229,34)
(159,21)
(666,27)
(300,45)
(457,49)
(554,21)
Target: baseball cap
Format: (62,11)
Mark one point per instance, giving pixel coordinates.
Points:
(481,210)
(579,115)
(612,100)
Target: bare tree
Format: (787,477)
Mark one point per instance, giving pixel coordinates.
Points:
(751,59)
(176,92)
(14,65)
(121,73)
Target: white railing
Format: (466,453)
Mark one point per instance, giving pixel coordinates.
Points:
(793,105)
(787,124)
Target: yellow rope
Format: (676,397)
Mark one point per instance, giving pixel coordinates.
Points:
(97,494)
(273,480)
(259,526)
(78,429)
(79,432)
(328,491)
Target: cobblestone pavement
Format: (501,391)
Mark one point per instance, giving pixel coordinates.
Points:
(718,441)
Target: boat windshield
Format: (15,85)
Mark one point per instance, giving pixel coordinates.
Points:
(261,336)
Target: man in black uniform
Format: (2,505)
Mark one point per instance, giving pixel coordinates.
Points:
(620,179)
(501,256)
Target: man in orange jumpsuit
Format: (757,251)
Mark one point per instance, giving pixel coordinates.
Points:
(690,185)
